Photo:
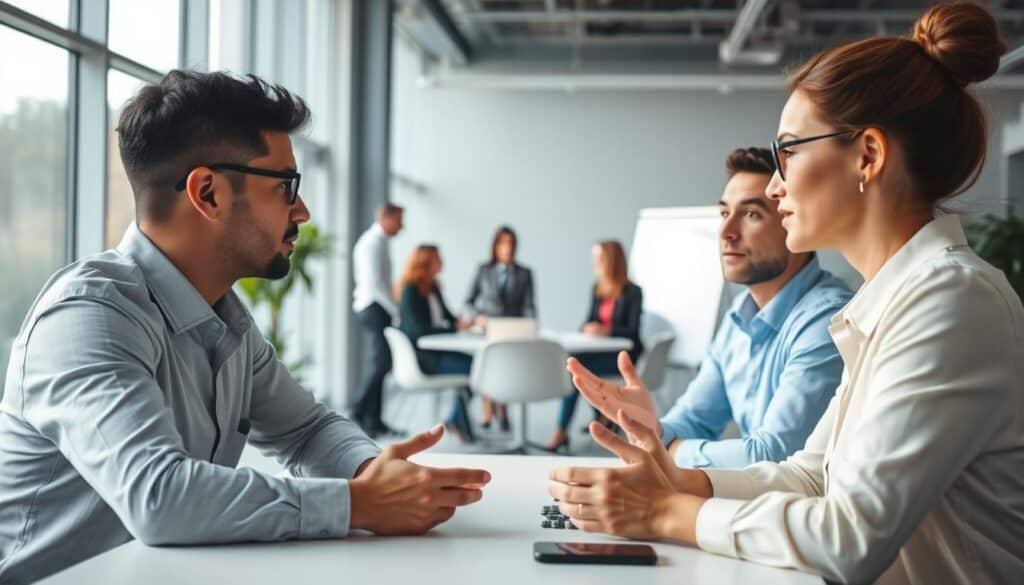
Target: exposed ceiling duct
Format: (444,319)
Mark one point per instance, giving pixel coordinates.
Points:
(733,49)
(726,44)
(427,24)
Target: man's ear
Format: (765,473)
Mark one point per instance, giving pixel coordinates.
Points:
(205,193)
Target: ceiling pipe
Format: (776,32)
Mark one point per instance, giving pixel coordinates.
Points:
(427,23)
(1011,59)
(731,50)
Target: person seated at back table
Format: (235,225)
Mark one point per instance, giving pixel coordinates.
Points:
(502,288)
(138,375)
(424,312)
(615,308)
(772,366)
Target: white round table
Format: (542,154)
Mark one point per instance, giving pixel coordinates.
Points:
(574,343)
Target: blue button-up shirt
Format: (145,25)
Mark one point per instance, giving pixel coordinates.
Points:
(127,403)
(772,370)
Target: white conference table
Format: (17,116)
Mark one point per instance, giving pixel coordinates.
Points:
(490,541)
(573,343)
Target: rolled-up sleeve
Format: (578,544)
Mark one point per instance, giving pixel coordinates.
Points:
(100,405)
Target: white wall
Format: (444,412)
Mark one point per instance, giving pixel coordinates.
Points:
(567,169)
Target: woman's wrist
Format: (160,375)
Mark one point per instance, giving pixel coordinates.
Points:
(692,481)
(676,517)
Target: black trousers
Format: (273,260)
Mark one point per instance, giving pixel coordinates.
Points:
(377,363)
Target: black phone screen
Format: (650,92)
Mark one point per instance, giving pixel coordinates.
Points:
(594,552)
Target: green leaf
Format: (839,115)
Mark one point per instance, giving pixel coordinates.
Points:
(1000,242)
(312,244)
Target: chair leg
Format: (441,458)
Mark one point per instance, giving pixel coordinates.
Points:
(521,439)
(437,406)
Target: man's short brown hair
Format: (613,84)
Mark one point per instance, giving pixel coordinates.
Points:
(753,159)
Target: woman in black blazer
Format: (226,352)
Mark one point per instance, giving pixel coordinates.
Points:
(502,288)
(423,312)
(615,308)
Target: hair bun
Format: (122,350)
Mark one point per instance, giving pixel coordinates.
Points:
(963,38)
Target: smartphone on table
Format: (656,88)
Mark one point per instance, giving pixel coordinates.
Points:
(598,553)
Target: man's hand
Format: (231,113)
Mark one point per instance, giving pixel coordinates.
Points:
(396,497)
(634,399)
(631,501)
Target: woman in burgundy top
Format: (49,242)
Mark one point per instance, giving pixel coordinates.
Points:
(615,307)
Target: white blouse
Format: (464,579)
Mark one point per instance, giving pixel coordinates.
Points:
(915,474)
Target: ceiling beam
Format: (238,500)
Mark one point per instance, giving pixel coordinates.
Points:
(721,16)
(567,16)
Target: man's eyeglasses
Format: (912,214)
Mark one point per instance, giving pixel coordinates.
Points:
(291,188)
(780,164)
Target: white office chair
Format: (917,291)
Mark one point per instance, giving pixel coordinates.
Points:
(517,372)
(651,367)
(408,377)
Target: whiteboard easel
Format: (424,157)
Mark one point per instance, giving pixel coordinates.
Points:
(675,260)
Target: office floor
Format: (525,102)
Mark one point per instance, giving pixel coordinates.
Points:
(417,412)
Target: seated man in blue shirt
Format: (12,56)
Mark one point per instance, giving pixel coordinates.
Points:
(771,367)
(138,375)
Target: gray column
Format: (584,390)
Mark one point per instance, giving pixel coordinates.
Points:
(370,154)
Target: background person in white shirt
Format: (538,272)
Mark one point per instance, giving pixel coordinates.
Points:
(376,309)
(915,474)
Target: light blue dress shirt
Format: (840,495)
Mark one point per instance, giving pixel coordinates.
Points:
(772,370)
(128,400)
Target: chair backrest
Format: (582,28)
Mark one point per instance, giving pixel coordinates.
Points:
(404,367)
(521,370)
(653,362)
(501,328)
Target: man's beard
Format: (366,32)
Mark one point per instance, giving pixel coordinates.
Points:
(762,271)
(278,267)
(280,264)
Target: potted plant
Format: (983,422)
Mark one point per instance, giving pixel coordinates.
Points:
(311,244)
(1000,241)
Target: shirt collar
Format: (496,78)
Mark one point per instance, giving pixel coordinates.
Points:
(774,314)
(378,230)
(182,305)
(866,308)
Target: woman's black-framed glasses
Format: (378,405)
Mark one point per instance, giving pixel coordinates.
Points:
(293,177)
(777,146)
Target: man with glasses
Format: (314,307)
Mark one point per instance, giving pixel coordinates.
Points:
(138,375)
(772,367)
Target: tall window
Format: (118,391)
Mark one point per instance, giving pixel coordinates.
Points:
(33,173)
(146,31)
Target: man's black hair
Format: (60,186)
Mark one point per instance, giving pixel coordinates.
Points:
(191,119)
